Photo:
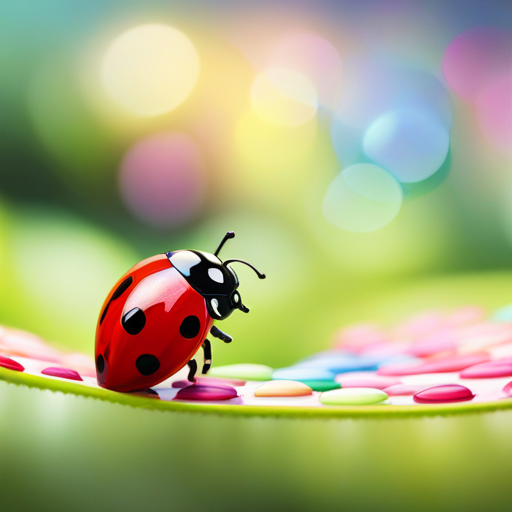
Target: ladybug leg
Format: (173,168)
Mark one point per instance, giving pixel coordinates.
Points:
(192,370)
(207,349)
(226,338)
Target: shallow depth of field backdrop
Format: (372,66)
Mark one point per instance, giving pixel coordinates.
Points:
(358,149)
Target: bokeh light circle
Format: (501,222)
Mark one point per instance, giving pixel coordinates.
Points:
(284,97)
(412,145)
(162,180)
(494,113)
(151,69)
(372,87)
(314,57)
(475,57)
(362,198)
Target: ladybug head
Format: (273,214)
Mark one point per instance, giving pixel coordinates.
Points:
(215,280)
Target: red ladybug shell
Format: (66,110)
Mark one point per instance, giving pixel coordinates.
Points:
(152,324)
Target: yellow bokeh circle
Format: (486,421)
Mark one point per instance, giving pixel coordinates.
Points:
(284,97)
(150,70)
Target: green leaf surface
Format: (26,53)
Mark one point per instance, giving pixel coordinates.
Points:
(377,411)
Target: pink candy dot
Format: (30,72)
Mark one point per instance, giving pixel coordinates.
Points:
(443,394)
(209,381)
(421,324)
(63,373)
(359,337)
(162,180)
(488,370)
(445,364)
(439,342)
(206,393)
(475,57)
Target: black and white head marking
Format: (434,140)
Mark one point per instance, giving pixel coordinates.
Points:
(216,281)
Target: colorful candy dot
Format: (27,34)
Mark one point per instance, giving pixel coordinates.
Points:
(207,393)
(10,364)
(301,374)
(353,396)
(283,388)
(209,381)
(488,370)
(243,371)
(443,394)
(321,385)
(63,373)
(446,364)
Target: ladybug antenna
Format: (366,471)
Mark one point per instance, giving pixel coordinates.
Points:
(227,236)
(260,275)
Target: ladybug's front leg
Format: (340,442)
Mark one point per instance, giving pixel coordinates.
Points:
(192,370)
(226,338)
(207,349)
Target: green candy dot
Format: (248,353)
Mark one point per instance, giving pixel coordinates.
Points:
(353,396)
(243,371)
(322,385)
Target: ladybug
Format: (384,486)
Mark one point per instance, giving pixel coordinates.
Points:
(158,315)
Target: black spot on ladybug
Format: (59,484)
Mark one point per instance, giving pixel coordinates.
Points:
(134,321)
(122,288)
(100,364)
(119,291)
(190,327)
(147,364)
(104,312)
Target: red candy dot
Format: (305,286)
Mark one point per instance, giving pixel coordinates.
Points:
(443,394)
(200,392)
(508,388)
(63,373)
(10,364)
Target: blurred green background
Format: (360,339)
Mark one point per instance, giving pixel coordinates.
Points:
(132,129)
(356,148)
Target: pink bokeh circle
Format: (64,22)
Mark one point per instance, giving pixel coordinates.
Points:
(162,180)
(475,57)
(494,113)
